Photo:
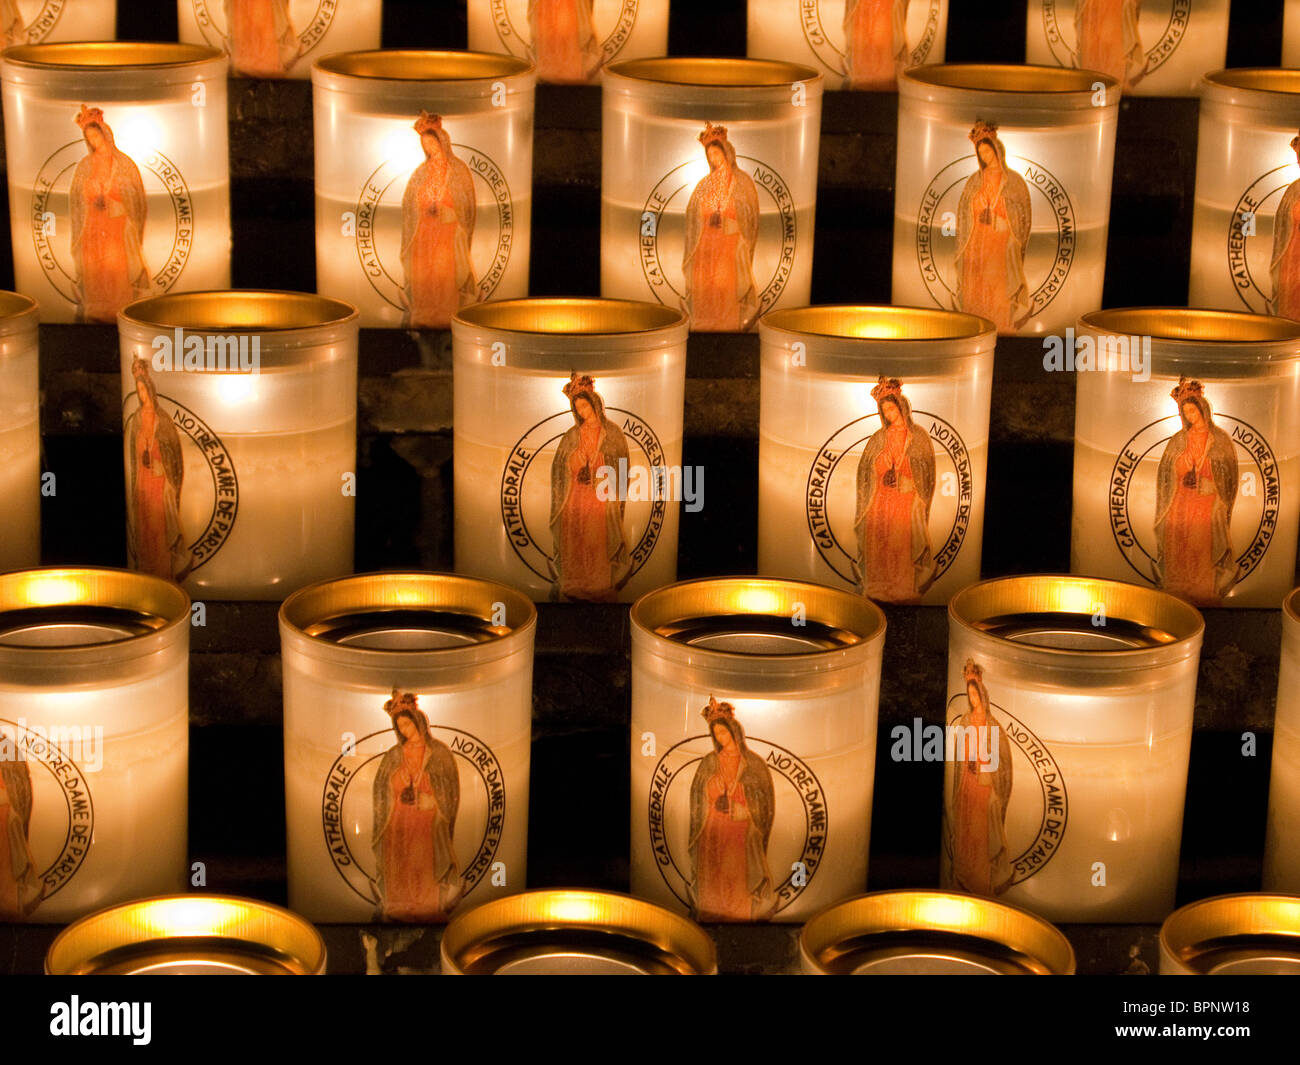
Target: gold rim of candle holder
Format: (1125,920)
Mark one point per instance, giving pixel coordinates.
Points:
(293,327)
(1264,81)
(633,931)
(110,55)
(417,65)
(691,73)
(18,313)
(1016,941)
(1145,625)
(840,630)
(1208,342)
(839,338)
(1291,607)
(1197,937)
(1009,85)
(173,929)
(538,330)
(148,610)
(315,613)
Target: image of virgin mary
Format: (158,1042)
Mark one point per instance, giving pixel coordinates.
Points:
(11,23)
(875,43)
(155,472)
(896,477)
(564,44)
(732,809)
(721,235)
(438,214)
(591,560)
(1196,487)
(108,216)
(1284,266)
(416,798)
(993,224)
(260,38)
(1106,36)
(20,888)
(976,843)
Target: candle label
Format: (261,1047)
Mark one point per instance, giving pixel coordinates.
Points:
(566,40)
(738,824)
(868,45)
(986,201)
(1262,252)
(1194,499)
(47,817)
(594,478)
(1106,36)
(1006,807)
(431,273)
(886,463)
(94,257)
(261,36)
(714,227)
(429,806)
(180,478)
(28,22)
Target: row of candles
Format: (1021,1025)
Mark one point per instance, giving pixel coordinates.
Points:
(1064,734)
(1158,49)
(119,184)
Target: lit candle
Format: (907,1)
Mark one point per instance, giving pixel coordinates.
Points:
(407,732)
(568,432)
(1245,214)
(575,933)
(118,173)
(94,740)
(20,434)
(187,935)
(872,447)
(569,40)
(1291,33)
(856,44)
(35,21)
(1282,841)
(1156,48)
(239,440)
(753,746)
(279,38)
(1069,723)
(708,186)
(931,933)
(1187,452)
(423,182)
(1002,195)
(1249,934)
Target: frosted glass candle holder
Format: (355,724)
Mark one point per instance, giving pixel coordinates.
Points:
(1282,840)
(1245,216)
(280,38)
(709,186)
(872,446)
(1151,47)
(119,180)
(753,746)
(20,434)
(239,440)
(570,41)
(568,446)
(38,21)
(407,730)
(1068,729)
(856,44)
(1186,452)
(424,180)
(94,733)
(1002,194)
